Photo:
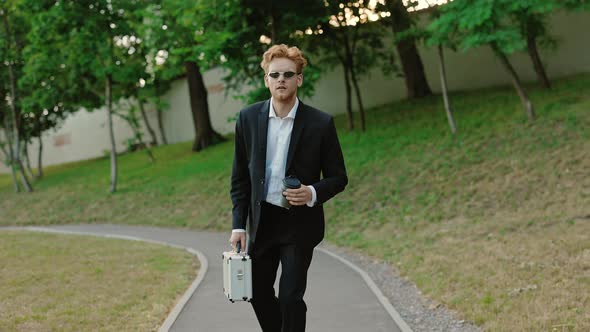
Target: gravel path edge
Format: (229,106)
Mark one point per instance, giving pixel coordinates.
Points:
(419,312)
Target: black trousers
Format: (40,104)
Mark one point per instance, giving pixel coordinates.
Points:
(275,242)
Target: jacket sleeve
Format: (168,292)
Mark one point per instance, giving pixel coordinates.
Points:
(334,178)
(240,179)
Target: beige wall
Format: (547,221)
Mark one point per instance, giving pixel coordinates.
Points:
(470,70)
(178,121)
(83,135)
(474,69)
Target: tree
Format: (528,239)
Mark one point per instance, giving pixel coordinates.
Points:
(14,27)
(400,21)
(170,29)
(125,110)
(6,128)
(352,39)
(51,93)
(416,33)
(6,146)
(531,17)
(141,103)
(130,50)
(87,30)
(482,23)
(445,92)
(158,87)
(575,5)
(149,25)
(236,35)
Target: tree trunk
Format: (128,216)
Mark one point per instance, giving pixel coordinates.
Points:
(141,143)
(28,161)
(8,128)
(349,114)
(274,25)
(133,122)
(526,103)
(23,177)
(415,78)
(14,178)
(15,161)
(161,126)
(148,150)
(9,155)
(2,145)
(205,135)
(109,100)
(536,58)
(137,131)
(443,83)
(39,158)
(147,123)
(160,113)
(349,52)
(358,97)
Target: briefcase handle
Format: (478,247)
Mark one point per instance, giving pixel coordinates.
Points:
(239,247)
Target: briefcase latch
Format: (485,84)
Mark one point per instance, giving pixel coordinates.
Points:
(240,275)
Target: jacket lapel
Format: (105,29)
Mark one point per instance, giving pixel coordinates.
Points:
(295,134)
(263,131)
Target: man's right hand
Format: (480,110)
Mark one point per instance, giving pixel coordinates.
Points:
(238,237)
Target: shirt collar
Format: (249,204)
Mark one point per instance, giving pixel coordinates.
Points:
(292,112)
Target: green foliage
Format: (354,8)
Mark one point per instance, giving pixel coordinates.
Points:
(15,23)
(470,24)
(50,93)
(73,46)
(503,23)
(129,113)
(359,46)
(576,5)
(86,32)
(168,35)
(231,37)
(532,16)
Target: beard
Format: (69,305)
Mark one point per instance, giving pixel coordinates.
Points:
(284,95)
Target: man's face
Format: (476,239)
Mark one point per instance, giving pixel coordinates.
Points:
(282,88)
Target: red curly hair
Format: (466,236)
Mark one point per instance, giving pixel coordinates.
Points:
(283,51)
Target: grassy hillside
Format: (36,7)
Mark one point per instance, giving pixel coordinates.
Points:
(494,222)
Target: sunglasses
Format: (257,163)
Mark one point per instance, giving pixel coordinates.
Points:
(287,74)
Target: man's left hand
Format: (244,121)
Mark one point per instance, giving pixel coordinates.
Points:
(299,196)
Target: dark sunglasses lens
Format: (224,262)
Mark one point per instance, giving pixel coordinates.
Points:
(287,74)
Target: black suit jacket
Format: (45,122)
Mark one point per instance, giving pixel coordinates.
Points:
(314,156)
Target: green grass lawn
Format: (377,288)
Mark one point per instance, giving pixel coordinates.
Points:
(51,282)
(494,222)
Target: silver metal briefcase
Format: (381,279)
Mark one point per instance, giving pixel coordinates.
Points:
(237,276)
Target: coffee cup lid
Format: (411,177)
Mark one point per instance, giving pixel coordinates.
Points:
(291,182)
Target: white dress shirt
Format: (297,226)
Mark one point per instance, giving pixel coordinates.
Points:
(277,148)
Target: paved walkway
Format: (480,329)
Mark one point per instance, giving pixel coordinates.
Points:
(338,298)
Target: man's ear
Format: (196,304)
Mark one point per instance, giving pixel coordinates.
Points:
(266,80)
(299,80)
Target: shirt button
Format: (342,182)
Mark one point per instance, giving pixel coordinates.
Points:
(258,203)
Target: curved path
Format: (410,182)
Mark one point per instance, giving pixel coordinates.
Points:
(340,297)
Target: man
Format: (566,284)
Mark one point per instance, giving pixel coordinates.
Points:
(277,138)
